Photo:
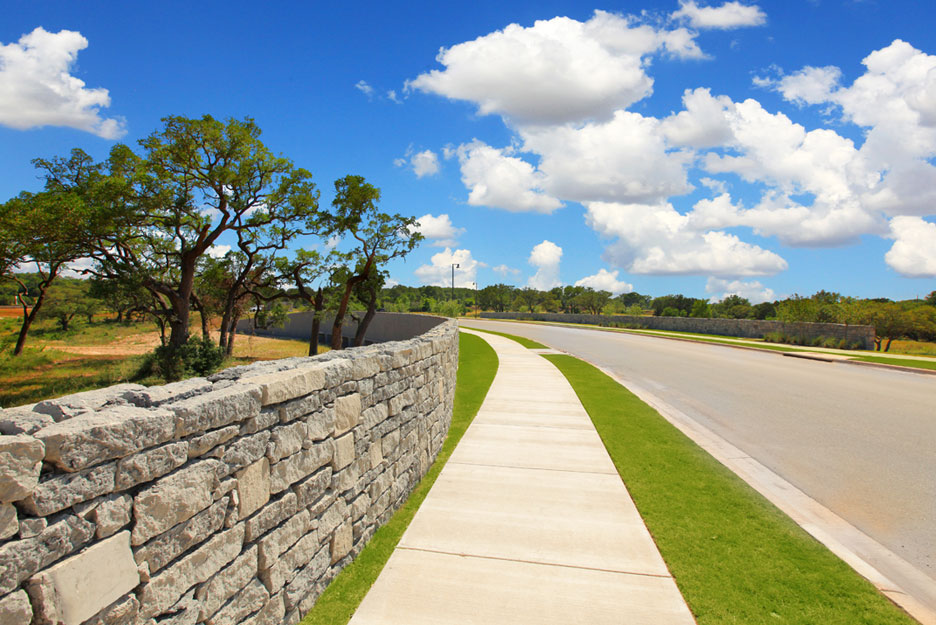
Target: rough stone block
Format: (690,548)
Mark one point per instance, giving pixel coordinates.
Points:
(285,566)
(271,614)
(15,609)
(270,516)
(216,409)
(202,444)
(163,549)
(165,589)
(21,559)
(374,415)
(347,413)
(282,538)
(81,403)
(313,487)
(303,582)
(23,420)
(158,395)
(321,425)
(72,591)
(29,527)
(215,593)
(112,514)
(246,450)
(344,451)
(286,440)
(20,463)
(375,454)
(300,407)
(150,464)
(173,499)
(248,600)
(365,367)
(253,487)
(341,542)
(114,432)
(333,517)
(9,523)
(390,443)
(285,385)
(121,612)
(290,470)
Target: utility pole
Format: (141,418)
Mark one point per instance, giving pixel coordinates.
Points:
(454,267)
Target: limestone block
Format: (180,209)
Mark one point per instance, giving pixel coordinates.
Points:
(374,415)
(337,372)
(359,506)
(9,524)
(344,451)
(253,487)
(164,548)
(401,401)
(345,479)
(215,409)
(173,499)
(81,403)
(15,609)
(23,420)
(333,517)
(347,413)
(285,385)
(365,367)
(112,514)
(301,407)
(185,611)
(215,593)
(285,567)
(321,424)
(72,591)
(167,587)
(147,465)
(270,516)
(250,599)
(375,454)
(20,559)
(286,440)
(114,432)
(313,487)
(246,450)
(290,470)
(20,463)
(121,612)
(390,443)
(32,527)
(202,444)
(271,614)
(341,542)
(158,395)
(302,584)
(282,538)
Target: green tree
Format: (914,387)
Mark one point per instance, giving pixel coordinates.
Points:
(68,298)
(496,297)
(592,301)
(378,237)
(701,309)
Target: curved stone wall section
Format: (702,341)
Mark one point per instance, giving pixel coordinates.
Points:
(747,328)
(384,327)
(231,499)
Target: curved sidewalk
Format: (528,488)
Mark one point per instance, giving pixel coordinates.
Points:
(528,522)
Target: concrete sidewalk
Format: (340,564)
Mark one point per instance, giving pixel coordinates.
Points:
(528,522)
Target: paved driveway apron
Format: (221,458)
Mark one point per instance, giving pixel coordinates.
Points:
(528,522)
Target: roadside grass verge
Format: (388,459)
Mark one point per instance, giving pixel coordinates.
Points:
(477,365)
(528,343)
(900,362)
(736,558)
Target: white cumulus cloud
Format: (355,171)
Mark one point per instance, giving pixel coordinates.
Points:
(425,163)
(913,254)
(37,88)
(557,70)
(439,271)
(606,280)
(545,257)
(753,291)
(727,16)
(497,179)
(504,271)
(439,229)
(364,88)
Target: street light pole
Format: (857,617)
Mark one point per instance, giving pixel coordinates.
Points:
(454,267)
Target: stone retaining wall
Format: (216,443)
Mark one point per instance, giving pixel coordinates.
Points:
(747,328)
(228,500)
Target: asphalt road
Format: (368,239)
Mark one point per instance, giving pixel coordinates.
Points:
(859,440)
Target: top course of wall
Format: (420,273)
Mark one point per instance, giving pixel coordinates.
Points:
(746,328)
(232,499)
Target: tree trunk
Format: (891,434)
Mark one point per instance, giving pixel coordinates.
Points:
(365,322)
(29,318)
(318,304)
(225,324)
(231,333)
(887,346)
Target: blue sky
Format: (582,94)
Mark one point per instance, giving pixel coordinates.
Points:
(698,147)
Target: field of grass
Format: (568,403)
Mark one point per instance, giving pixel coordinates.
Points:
(736,558)
(99,354)
(528,343)
(900,362)
(477,365)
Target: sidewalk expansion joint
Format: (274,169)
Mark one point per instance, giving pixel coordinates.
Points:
(534,562)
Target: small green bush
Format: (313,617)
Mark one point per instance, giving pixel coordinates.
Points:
(199,356)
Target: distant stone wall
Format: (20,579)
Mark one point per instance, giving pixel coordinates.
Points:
(228,500)
(747,328)
(383,327)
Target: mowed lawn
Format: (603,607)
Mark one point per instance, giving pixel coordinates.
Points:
(97,355)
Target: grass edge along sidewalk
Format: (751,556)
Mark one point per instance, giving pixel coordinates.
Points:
(736,558)
(528,343)
(477,366)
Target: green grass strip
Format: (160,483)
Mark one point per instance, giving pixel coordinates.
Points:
(736,558)
(528,343)
(477,365)
(900,362)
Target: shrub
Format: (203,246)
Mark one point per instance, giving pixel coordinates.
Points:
(199,356)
